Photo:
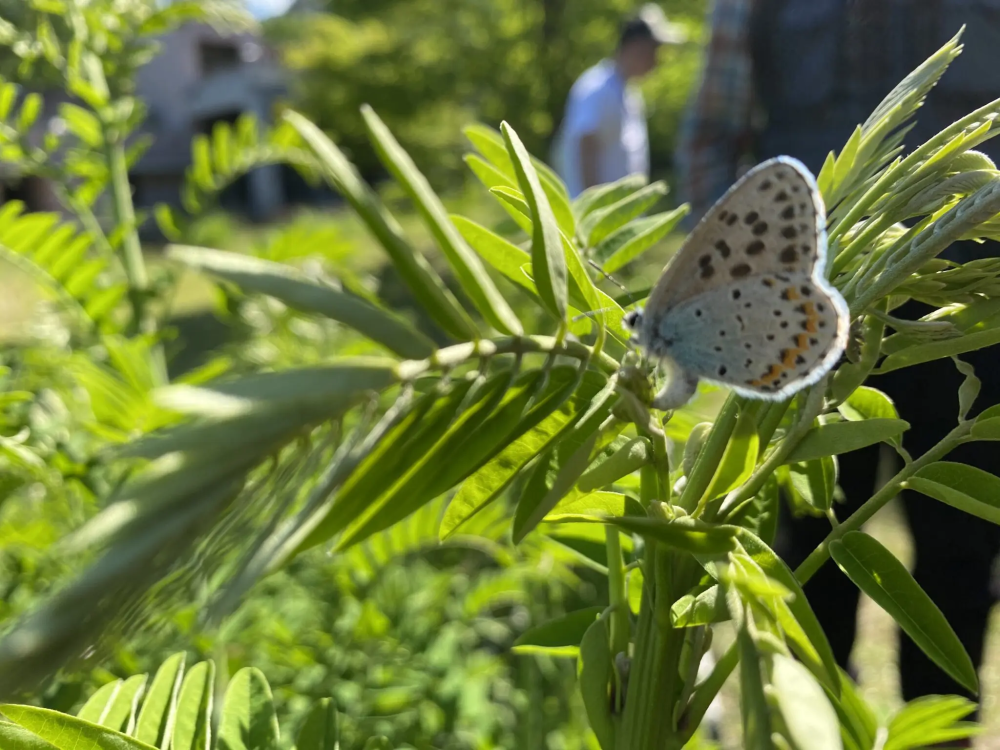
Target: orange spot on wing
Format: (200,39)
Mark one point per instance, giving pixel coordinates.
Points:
(811,316)
(788,359)
(770,376)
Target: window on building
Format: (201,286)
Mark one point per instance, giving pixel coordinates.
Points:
(216,56)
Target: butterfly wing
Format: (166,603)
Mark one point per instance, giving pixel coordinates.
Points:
(766,336)
(771,221)
(745,301)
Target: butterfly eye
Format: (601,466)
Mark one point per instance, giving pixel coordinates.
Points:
(632,319)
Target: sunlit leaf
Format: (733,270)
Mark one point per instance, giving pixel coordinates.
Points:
(880,575)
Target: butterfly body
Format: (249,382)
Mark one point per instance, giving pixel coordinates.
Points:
(745,302)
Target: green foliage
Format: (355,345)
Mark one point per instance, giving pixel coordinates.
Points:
(172,713)
(485,464)
(429,67)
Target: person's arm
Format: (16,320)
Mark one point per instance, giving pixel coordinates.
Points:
(718,117)
(590,146)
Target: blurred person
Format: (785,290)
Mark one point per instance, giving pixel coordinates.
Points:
(796,77)
(603,134)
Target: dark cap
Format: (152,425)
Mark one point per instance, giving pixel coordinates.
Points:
(651,23)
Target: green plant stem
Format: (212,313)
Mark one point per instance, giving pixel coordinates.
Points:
(618,600)
(452,356)
(86,216)
(705,693)
(649,427)
(135,266)
(616,591)
(810,410)
(655,682)
(876,502)
(770,419)
(711,455)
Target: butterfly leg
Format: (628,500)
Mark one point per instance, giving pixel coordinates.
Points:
(681,386)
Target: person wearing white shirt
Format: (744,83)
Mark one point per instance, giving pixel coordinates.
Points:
(603,134)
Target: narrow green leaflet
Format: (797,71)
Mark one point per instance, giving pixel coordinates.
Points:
(635,238)
(844,437)
(467,266)
(552,412)
(961,486)
(63,731)
(299,292)
(753,703)
(321,729)
(880,575)
(812,482)
(987,424)
(586,540)
(248,718)
(504,256)
(739,459)
(608,469)
(596,672)
(540,496)
(823,665)
(968,391)
(702,608)
(14,737)
(687,534)
(858,725)
(931,720)
(602,222)
(402,447)
(97,704)
(193,726)
(915,355)
(414,269)
(469,438)
(600,196)
(491,177)
(558,471)
(548,261)
(867,403)
(592,505)
(809,718)
(120,712)
(559,637)
(593,300)
(491,144)
(156,719)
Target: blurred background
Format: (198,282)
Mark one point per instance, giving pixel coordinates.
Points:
(413,640)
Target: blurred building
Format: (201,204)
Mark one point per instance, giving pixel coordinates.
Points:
(202,77)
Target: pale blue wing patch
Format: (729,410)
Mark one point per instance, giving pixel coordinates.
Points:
(767,336)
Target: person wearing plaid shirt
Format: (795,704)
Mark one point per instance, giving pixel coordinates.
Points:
(795,77)
(715,131)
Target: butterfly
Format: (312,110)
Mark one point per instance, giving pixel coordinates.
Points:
(745,301)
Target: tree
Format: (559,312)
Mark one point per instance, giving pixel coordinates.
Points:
(428,66)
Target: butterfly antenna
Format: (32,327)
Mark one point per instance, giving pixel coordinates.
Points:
(613,280)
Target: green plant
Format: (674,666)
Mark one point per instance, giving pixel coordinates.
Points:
(177,709)
(428,67)
(268,465)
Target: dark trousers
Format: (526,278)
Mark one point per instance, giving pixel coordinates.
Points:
(954,550)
